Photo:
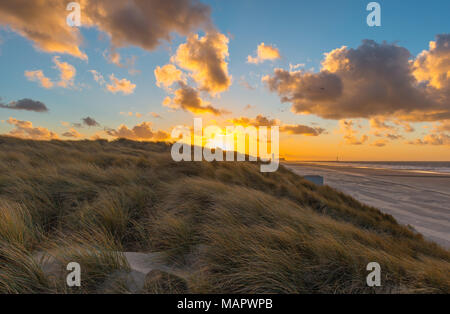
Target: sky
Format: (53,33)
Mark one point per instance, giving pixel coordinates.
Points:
(137,69)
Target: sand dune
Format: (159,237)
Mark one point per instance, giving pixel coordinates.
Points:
(420,200)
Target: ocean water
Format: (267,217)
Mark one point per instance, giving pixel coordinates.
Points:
(441,167)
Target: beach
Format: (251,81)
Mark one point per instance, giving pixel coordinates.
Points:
(419,199)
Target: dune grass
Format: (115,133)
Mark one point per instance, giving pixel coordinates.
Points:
(231,228)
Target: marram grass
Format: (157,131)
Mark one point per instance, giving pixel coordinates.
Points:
(224,226)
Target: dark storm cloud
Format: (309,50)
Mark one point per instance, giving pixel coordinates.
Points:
(90,121)
(25,104)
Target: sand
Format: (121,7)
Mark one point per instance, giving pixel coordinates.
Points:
(421,200)
(140,264)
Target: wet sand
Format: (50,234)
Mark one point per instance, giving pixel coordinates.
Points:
(421,200)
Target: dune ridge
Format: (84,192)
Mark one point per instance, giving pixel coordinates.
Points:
(221,227)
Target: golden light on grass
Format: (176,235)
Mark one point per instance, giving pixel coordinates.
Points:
(226,226)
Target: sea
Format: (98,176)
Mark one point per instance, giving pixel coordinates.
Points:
(438,167)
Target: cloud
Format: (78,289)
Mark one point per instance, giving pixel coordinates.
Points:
(245,84)
(168,75)
(264,53)
(406,126)
(258,121)
(155,115)
(371,80)
(44,23)
(90,122)
(161,136)
(433,139)
(394,136)
(67,72)
(146,23)
(382,128)
(130,114)
(350,134)
(38,76)
(26,104)
(261,120)
(115,58)
(188,99)
(433,65)
(302,130)
(72,133)
(205,59)
(25,129)
(300,87)
(123,86)
(439,135)
(380,143)
(444,126)
(98,77)
(380,123)
(293,67)
(140,132)
(141,23)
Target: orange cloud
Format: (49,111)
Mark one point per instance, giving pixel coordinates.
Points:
(67,72)
(205,59)
(44,23)
(123,86)
(25,129)
(380,143)
(130,114)
(167,75)
(380,123)
(155,115)
(350,135)
(264,53)
(188,99)
(38,76)
(444,126)
(433,139)
(98,77)
(382,128)
(259,120)
(439,135)
(294,129)
(115,58)
(140,132)
(72,133)
(406,126)
(299,129)
(433,65)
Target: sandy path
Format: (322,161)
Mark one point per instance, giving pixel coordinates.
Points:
(420,200)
